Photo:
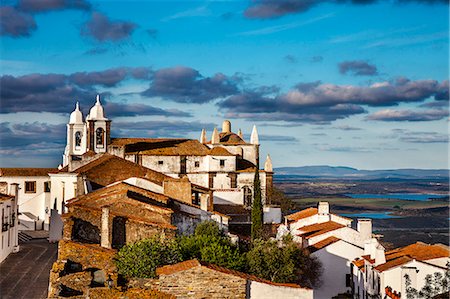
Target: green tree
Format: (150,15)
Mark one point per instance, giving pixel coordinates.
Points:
(279,198)
(283,262)
(257,208)
(141,259)
(209,244)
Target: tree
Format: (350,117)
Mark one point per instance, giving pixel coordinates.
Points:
(279,198)
(141,259)
(209,244)
(257,208)
(283,262)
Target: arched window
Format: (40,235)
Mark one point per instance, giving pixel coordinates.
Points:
(99,136)
(78,138)
(248,196)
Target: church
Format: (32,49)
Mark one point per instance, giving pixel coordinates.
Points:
(219,172)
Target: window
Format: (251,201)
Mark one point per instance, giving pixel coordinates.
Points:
(30,187)
(99,137)
(4,187)
(247,196)
(160,162)
(197,164)
(222,163)
(78,138)
(46,186)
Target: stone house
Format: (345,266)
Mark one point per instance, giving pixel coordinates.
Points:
(195,279)
(377,273)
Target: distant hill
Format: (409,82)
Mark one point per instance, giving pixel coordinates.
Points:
(342,172)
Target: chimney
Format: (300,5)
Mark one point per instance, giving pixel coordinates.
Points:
(105,228)
(323,208)
(240,134)
(226,126)
(364,228)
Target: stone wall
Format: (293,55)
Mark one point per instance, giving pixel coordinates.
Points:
(136,231)
(201,282)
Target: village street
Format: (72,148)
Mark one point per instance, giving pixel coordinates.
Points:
(25,274)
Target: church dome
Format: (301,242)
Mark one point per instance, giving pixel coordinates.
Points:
(76,117)
(96,112)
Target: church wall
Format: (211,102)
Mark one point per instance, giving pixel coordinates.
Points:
(222,181)
(201,179)
(170,164)
(214,163)
(247,179)
(227,197)
(63,188)
(203,165)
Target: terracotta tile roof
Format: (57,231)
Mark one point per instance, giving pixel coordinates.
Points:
(107,169)
(322,244)
(418,251)
(162,147)
(5,197)
(314,230)
(26,171)
(219,151)
(367,258)
(231,138)
(186,265)
(302,214)
(359,263)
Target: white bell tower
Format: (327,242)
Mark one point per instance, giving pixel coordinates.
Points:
(76,136)
(98,129)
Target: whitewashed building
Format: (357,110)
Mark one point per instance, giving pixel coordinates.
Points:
(34,189)
(9,222)
(380,274)
(331,239)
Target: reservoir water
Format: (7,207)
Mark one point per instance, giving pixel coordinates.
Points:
(375,215)
(402,196)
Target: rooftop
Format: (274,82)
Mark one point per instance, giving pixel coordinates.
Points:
(418,251)
(302,214)
(314,230)
(26,171)
(322,244)
(186,265)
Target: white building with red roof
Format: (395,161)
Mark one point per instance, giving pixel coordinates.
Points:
(331,239)
(379,274)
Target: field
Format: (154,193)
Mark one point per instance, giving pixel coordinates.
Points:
(426,221)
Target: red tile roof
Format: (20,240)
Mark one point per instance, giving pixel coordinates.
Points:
(302,214)
(418,251)
(186,265)
(231,138)
(322,244)
(162,147)
(107,169)
(314,230)
(219,151)
(26,171)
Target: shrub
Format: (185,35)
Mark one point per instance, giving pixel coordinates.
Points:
(143,257)
(284,262)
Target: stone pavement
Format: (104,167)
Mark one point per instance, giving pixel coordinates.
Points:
(25,274)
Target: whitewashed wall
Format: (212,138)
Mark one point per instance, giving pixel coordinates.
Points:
(260,290)
(336,259)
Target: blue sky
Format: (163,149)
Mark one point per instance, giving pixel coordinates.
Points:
(326,82)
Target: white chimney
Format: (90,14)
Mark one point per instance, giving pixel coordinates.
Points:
(364,228)
(323,208)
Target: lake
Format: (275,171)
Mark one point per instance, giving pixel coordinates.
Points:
(376,215)
(402,196)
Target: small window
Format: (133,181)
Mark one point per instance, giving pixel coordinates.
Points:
(222,163)
(46,186)
(99,137)
(78,138)
(160,162)
(197,164)
(30,187)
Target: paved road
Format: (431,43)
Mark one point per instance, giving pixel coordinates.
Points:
(25,274)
